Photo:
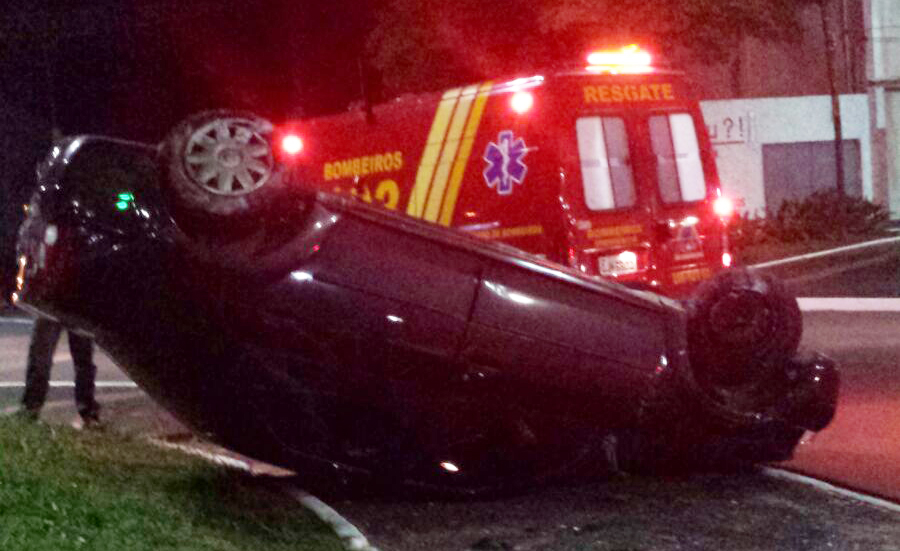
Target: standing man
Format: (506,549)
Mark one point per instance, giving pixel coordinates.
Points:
(44,338)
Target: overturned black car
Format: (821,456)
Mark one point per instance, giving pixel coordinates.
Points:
(317,332)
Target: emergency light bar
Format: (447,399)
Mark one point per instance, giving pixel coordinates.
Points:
(629,59)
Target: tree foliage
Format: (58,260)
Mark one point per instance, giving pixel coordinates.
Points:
(429,44)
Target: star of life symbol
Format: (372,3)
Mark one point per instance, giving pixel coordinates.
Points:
(504,159)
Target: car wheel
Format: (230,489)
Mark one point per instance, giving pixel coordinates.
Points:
(221,164)
(743,329)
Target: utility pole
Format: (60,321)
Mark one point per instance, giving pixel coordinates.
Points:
(835,99)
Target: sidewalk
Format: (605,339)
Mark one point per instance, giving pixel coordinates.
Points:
(133,414)
(129,413)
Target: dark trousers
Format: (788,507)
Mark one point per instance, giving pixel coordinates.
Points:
(44,338)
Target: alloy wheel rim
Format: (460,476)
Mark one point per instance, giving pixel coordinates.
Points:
(228,157)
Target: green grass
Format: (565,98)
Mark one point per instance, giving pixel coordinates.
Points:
(8,400)
(61,490)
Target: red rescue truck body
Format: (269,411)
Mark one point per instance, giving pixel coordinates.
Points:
(608,172)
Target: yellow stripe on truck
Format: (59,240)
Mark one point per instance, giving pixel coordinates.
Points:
(465,150)
(448,153)
(427,164)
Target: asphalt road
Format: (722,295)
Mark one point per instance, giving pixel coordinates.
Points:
(14,335)
(861,447)
(860,271)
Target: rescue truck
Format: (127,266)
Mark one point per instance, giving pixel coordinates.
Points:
(607,169)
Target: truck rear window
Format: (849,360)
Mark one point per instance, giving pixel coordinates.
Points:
(605,163)
(678,166)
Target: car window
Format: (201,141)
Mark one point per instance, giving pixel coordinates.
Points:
(605,162)
(112,179)
(679,169)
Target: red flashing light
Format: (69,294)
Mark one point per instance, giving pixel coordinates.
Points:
(629,59)
(723,207)
(522,102)
(291,144)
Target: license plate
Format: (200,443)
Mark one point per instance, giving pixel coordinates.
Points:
(618,264)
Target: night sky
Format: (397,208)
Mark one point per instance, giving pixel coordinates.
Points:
(136,68)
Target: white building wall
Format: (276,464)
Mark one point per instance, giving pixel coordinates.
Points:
(739,128)
(884,31)
(883,28)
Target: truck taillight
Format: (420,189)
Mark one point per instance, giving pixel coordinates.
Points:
(291,144)
(521,102)
(723,207)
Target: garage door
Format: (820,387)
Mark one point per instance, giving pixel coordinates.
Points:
(795,170)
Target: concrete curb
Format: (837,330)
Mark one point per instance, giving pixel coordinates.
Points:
(827,252)
(849,304)
(350,535)
(831,488)
(16,320)
(71,384)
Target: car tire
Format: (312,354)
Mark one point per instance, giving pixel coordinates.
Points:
(743,329)
(220,165)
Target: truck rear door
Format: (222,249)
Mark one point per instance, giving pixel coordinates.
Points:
(639,181)
(688,235)
(611,218)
